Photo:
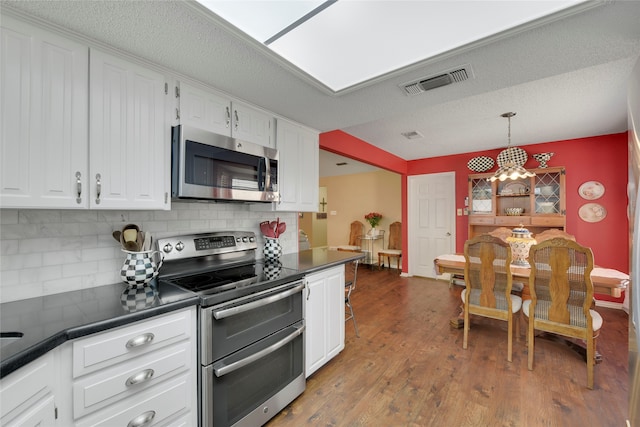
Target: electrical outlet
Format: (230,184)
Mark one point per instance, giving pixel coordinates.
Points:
(333,213)
(459,212)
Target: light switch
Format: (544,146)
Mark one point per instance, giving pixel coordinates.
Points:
(334,213)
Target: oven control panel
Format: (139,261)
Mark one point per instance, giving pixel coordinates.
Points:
(199,245)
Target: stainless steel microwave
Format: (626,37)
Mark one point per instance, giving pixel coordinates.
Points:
(209,166)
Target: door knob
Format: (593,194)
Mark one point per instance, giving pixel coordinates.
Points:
(448,234)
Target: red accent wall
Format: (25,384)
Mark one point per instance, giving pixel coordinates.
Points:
(598,158)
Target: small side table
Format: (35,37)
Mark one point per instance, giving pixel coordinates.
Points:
(367,243)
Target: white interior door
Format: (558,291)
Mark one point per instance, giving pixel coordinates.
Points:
(432,220)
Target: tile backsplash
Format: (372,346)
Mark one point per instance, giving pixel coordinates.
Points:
(46,252)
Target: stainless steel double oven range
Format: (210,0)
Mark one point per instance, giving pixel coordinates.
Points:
(250,346)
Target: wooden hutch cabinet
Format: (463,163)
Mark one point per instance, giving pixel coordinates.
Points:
(541,199)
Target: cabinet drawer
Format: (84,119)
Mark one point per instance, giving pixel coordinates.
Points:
(129,378)
(105,349)
(548,221)
(26,386)
(481,219)
(513,220)
(159,403)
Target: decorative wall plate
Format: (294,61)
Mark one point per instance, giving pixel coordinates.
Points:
(480,164)
(518,155)
(592,212)
(591,190)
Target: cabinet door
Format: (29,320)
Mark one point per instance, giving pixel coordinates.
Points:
(324,317)
(208,110)
(335,311)
(204,110)
(43,142)
(128,144)
(252,125)
(27,394)
(314,317)
(298,167)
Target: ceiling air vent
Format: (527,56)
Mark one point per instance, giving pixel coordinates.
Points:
(428,83)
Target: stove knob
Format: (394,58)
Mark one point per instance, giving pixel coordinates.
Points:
(245,239)
(167,248)
(179,246)
(238,239)
(252,239)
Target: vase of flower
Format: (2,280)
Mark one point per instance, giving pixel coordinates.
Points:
(373,218)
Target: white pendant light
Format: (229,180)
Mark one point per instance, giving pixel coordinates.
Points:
(509,169)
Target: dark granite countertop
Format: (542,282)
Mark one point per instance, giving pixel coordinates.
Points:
(47,322)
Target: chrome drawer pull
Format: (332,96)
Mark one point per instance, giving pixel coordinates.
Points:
(140,377)
(142,419)
(140,340)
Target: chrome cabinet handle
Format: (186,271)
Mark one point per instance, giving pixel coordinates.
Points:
(140,377)
(140,340)
(237,119)
(79,187)
(142,419)
(228,117)
(98,188)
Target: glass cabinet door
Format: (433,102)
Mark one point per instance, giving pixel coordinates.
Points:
(481,196)
(548,192)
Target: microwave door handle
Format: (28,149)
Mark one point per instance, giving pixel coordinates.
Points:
(267,174)
(261,172)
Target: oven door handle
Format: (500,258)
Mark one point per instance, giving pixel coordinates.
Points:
(221,369)
(231,311)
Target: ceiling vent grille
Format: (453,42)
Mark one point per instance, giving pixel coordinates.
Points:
(429,83)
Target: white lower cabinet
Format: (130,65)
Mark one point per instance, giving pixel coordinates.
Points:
(28,394)
(140,374)
(324,317)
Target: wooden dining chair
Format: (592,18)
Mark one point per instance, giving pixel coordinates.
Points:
(488,280)
(394,247)
(562,295)
(356,231)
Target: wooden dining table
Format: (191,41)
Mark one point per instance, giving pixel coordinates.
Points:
(605,281)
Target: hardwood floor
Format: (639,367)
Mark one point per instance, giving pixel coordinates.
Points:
(408,368)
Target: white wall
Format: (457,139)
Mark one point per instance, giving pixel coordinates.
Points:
(46,252)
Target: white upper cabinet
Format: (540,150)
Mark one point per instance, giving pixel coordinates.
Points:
(53,154)
(129,145)
(208,110)
(298,167)
(43,117)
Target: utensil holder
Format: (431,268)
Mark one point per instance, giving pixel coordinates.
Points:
(272,248)
(140,267)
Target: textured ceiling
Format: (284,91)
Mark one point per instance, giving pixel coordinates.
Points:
(565,79)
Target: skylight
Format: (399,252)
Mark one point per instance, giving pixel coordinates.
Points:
(342,44)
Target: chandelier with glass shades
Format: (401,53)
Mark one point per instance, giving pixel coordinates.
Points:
(510,169)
